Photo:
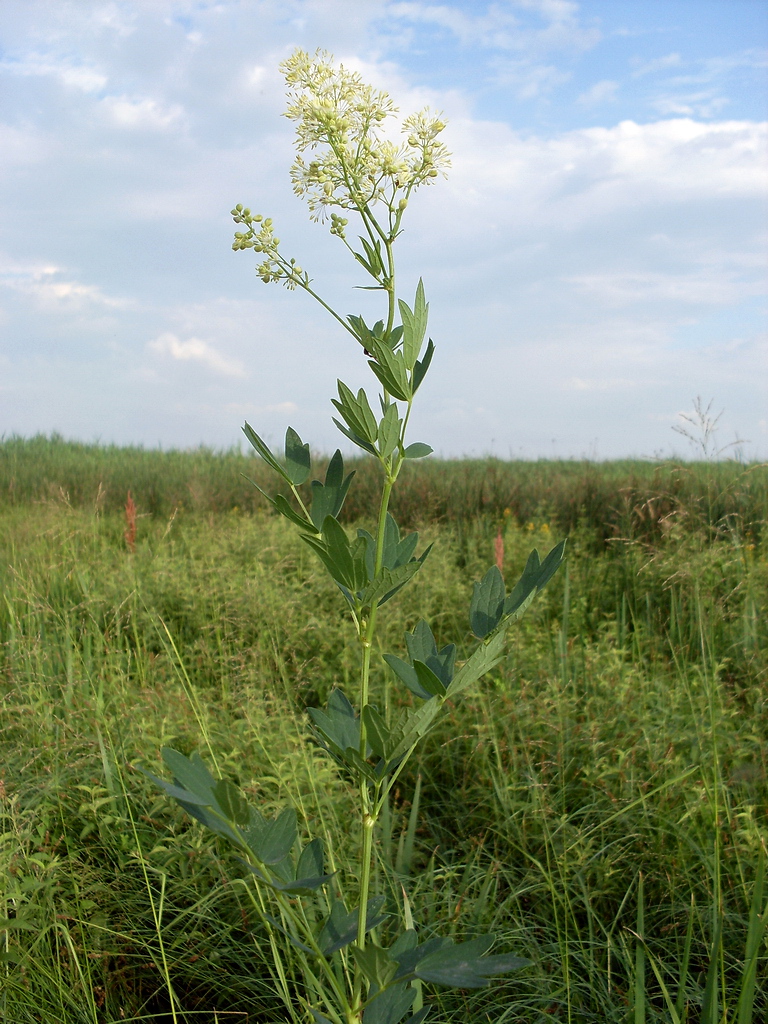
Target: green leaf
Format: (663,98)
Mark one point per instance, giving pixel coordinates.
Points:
(391,370)
(408,955)
(264,451)
(376,731)
(341,927)
(406,674)
(372,428)
(428,680)
(357,412)
(176,792)
(308,876)
(421,642)
(420,369)
(376,964)
(311,861)
(373,262)
(279,837)
(416,726)
(296,457)
(417,1018)
(338,724)
(345,561)
(389,431)
(317,1017)
(525,585)
(361,330)
(487,605)
(535,577)
(270,841)
(215,803)
(465,966)
(284,507)
(328,498)
(388,582)
(355,438)
(414,325)
(550,565)
(422,647)
(485,657)
(396,552)
(390,1006)
(231,802)
(417,450)
(190,772)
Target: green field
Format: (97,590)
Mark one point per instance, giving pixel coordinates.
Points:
(600,804)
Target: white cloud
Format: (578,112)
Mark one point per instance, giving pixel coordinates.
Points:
(671,60)
(85,77)
(142,113)
(48,286)
(572,177)
(601,92)
(197,351)
(499,28)
(705,103)
(529,80)
(705,287)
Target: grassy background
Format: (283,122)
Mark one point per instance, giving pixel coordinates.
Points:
(620,748)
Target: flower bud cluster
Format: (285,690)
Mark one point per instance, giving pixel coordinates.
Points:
(339,122)
(262,239)
(338,224)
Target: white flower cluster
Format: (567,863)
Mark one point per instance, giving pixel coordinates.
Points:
(343,160)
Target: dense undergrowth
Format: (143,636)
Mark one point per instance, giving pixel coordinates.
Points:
(603,814)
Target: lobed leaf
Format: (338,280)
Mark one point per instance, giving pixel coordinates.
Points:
(390,1006)
(340,929)
(338,724)
(328,498)
(420,369)
(487,605)
(465,966)
(389,431)
(264,452)
(414,325)
(297,461)
(355,438)
(485,657)
(428,680)
(407,674)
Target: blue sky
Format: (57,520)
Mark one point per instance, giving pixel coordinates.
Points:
(594,261)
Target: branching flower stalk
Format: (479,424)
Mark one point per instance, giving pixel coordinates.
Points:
(364,965)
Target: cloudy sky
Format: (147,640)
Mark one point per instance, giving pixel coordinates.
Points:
(594,261)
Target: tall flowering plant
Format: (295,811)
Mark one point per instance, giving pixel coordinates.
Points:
(361,960)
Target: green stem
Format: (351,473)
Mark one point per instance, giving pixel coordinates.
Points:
(368,813)
(390,284)
(304,509)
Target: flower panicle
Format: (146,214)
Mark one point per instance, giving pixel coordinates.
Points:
(343,159)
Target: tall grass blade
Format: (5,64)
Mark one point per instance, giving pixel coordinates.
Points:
(710,1005)
(682,984)
(756,928)
(639,987)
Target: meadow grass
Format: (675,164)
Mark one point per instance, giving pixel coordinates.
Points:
(602,807)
